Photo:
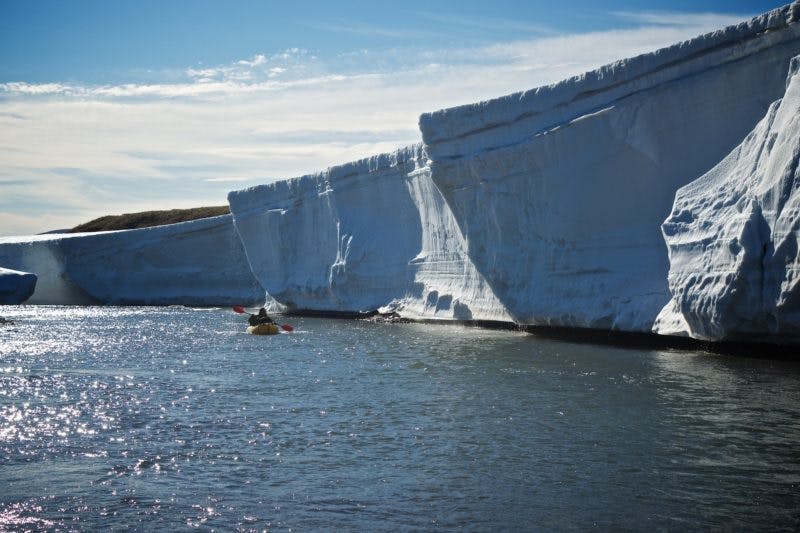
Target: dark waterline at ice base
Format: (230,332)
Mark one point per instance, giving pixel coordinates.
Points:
(167,418)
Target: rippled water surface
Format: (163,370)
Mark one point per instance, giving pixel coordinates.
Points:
(163,418)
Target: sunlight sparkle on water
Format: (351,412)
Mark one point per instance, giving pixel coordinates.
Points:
(171,418)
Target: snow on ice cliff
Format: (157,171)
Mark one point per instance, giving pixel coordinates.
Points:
(373,234)
(201,262)
(733,237)
(560,191)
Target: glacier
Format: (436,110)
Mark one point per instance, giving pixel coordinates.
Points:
(654,194)
(200,262)
(370,235)
(733,237)
(560,191)
(542,208)
(15,286)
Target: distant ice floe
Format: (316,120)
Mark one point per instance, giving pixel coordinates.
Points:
(15,286)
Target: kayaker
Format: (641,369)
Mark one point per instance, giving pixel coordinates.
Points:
(261,318)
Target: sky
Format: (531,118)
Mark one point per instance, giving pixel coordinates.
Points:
(110,107)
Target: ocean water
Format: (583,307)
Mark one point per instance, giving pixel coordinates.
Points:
(173,418)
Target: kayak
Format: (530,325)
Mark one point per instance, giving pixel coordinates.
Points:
(263,329)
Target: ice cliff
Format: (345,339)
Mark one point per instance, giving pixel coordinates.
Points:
(15,286)
(542,208)
(733,237)
(372,234)
(201,262)
(560,191)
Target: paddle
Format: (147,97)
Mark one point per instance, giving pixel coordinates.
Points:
(239,309)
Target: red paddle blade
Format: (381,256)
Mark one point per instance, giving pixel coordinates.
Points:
(238,309)
(287,327)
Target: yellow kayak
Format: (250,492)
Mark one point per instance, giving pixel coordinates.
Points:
(263,329)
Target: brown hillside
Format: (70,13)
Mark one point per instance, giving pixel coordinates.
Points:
(147,219)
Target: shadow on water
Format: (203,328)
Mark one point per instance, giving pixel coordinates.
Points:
(648,341)
(617,339)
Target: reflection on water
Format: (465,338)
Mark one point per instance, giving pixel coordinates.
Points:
(171,418)
(735,431)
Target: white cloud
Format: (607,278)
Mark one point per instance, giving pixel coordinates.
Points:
(257,68)
(676,18)
(21,87)
(488,23)
(12,224)
(231,179)
(401,32)
(257,60)
(119,148)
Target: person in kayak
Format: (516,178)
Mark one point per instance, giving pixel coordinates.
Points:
(261,318)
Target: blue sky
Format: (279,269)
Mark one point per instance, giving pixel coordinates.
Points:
(111,106)
(114,41)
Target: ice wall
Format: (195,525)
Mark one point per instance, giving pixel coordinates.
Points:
(733,237)
(560,191)
(368,235)
(543,208)
(201,262)
(15,286)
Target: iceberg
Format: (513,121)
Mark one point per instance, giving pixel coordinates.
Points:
(15,286)
(200,262)
(372,235)
(560,191)
(541,208)
(733,237)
